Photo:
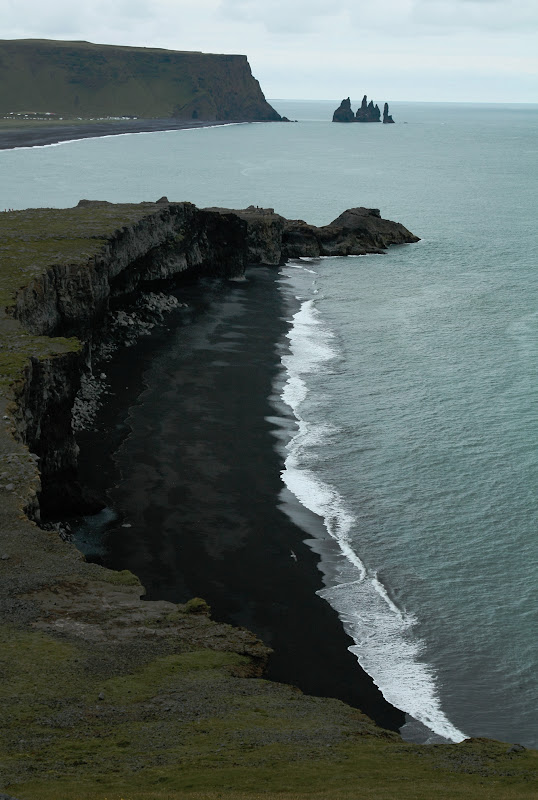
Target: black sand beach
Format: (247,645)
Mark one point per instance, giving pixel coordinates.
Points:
(197,481)
(31,134)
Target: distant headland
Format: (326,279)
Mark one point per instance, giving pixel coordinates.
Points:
(368,112)
(56,80)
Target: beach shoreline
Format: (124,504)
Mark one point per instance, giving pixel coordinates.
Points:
(195,427)
(32,134)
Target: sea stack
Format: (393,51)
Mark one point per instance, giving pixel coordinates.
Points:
(387,118)
(367,112)
(344,113)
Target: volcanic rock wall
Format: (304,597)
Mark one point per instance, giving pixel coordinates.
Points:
(77,262)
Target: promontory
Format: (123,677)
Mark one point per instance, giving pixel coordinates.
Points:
(54,80)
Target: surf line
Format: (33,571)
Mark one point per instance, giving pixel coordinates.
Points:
(384,643)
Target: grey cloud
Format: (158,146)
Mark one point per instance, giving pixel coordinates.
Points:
(281,16)
(395,17)
(479,15)
(64,19)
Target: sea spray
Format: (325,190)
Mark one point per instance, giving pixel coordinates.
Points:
(385,643)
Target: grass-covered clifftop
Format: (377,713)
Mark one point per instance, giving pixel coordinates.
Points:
(81,79)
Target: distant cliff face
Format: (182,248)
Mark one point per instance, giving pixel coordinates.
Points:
(80,79)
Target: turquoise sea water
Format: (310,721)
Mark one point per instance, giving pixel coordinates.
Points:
(413,375)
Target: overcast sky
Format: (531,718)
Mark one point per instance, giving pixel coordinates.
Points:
(447,50)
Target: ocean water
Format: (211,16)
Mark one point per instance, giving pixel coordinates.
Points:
(413,377)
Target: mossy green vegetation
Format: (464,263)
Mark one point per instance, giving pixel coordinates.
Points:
(162,675)
(123,577)
(37,239)
(197,605)
(16,348)
(182,725)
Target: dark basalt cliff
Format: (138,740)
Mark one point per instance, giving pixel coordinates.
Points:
(81,261)
(272,239)
(81,79)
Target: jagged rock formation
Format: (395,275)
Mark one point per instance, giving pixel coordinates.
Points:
(344,113)
(387,118)
(272,239)
(367,112)
(81,79)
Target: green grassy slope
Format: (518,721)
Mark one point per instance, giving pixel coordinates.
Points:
(189,724)
(80,79)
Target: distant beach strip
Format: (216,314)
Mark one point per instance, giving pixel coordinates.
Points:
(33,135)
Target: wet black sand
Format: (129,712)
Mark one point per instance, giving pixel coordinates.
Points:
(31,134)
(197,479)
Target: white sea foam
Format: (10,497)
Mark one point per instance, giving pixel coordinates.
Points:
(300,266)
(309,343)
(385,643)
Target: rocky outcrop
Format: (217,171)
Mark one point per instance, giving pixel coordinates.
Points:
(358,231)
(42,416)
(81,79)
(344,113)
(367,112)
(162,240)
(71,298)
(273,239)
(387,118)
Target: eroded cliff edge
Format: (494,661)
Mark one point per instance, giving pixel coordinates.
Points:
(77,263)
(97,684)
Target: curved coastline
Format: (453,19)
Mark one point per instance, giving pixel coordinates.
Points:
(50,133)
(377,625)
